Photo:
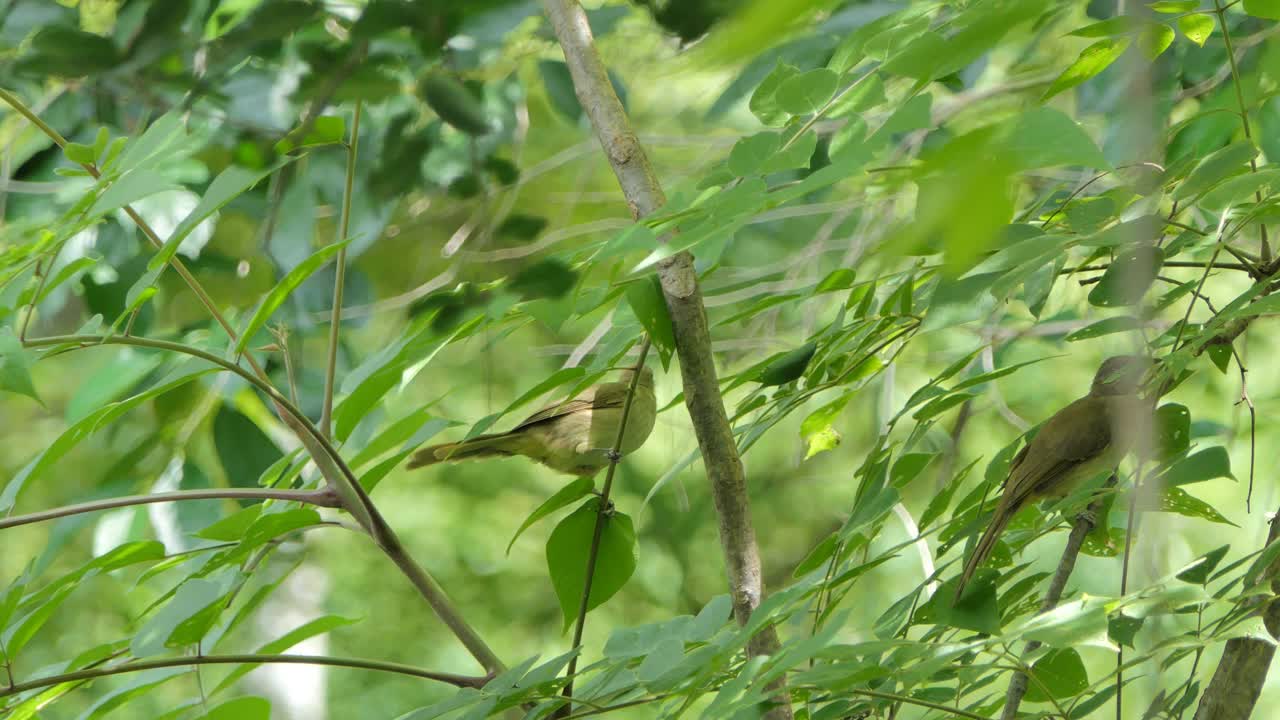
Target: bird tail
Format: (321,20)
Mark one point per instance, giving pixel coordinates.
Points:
(500,444)
(999,520)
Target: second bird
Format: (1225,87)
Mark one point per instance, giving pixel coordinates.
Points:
(1076,443)
(574,437)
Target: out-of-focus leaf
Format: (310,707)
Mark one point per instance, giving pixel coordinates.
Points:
(1128,277)
(1092,60)
(243,448)
(14,375)
(1216,167)
(1197,27)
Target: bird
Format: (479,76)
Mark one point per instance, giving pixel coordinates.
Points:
(575,437)
(1076,443)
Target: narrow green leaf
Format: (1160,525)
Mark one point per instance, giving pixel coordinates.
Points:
(1128,277)
(565,496)
(1122,323)
(192,597)
(318,626)
(1092,60)
(1216,167)
(1177,500)
(229,185)
(327,130)
(1198,572)
(283,289)
(788,366)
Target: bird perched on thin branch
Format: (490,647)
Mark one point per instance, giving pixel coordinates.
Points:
(575,437)
(1079,441)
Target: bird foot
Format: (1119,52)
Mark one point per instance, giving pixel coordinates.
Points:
(613,455)
(1090,517)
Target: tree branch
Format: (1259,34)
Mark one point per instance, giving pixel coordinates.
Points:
(679,281)
(140,665)
(322,498)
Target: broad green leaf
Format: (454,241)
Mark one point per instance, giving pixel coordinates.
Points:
(764,102)
(908,466)
(921,59)
(77,153)
(283,290)
(318,626)
(1092,60)
(1216,167)
(750,153)
(161,135)
(1061,674)
(1208,464)
(650,308)
(977,610)
(565,496)
(808,92)
(1045,137)
(1128,277)
(567,549)
(1121,628)
(1269,9)
(14,375)
(1197,27)
(1173,429)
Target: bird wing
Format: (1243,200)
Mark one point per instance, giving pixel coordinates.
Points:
(605,395)
(1059,448)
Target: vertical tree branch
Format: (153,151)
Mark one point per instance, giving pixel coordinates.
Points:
(1242,671)
(339,278)
(644,195)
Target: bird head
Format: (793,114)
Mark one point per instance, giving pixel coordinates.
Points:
(1120,375)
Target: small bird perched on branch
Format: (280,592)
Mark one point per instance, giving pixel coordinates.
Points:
(575,437)
(1079,441)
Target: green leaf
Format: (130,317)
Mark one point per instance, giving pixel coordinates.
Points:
(908,466)
(1174,6)
(90,424)
(764,103)
(976,610)
(326,130)
(1121,628)
(817,429)
(1241,188)
(241,708)
(130,188)
(567,550)
(1092,60)
(21,632)
(318,626)
(1111,325)
(1128,277)
(1197,27)
(1199,570)
(788,366)
(818,556)
(229,185)
(243,448)
(646,301)
(808,92)
(1269,9)
(1208,464)
(1216,167)
(750,153)
(1045,137)
(233,526)
(1177,500)
(14,375)
(939,405)
(77,153)
(1173,429)
(282,290)
(565,496)
(1061,674)
(192,598)
(137,686)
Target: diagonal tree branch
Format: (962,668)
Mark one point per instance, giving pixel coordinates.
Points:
(644,195)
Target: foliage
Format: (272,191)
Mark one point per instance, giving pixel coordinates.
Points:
(914,225)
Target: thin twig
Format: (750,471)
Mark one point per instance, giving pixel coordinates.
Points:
(322,498)
(340,277)
(603,510)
